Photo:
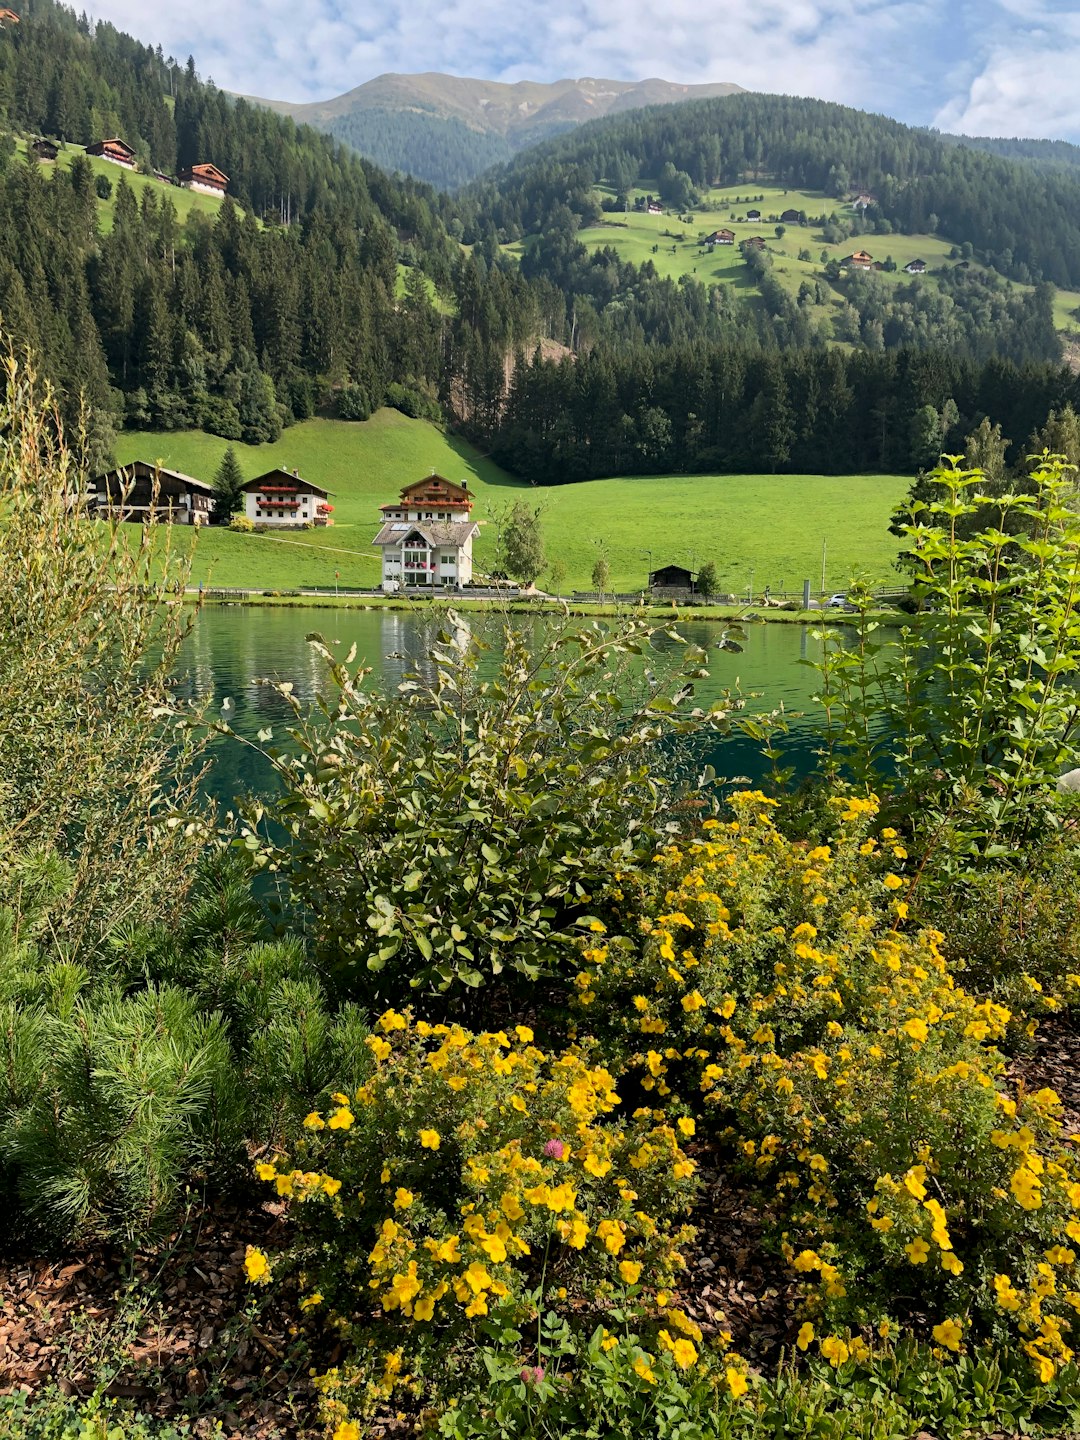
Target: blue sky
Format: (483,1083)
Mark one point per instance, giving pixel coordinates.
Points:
(1002,67)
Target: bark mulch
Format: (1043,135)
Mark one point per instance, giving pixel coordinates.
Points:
(172,1329)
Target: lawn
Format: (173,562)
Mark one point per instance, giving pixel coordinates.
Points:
(184,201)
(768,527)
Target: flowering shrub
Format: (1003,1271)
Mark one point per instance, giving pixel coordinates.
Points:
(468,1177)
(856,1080)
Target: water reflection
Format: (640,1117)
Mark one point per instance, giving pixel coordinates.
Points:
(232,648)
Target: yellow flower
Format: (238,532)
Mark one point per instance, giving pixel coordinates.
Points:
(686,1125)
(950,1262)
(644,1369)
(1026,1186)
(916,1028)
(694,1001)
(314,1121)
(257,1266)
(341,1119)
(736,1382)
(684,1354)
(403,1198)
(834,1350)
(949,1333)
(806,1334)
(380,1048)
(310,1301)
(917,1251)
(524,1034)
(347,1430)
(429,1139)
(265,1171)
(630,1271)
(391,1020)
(806,1261)
(424,1309)
(893,882)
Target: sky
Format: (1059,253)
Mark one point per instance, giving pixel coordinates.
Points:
(980,67)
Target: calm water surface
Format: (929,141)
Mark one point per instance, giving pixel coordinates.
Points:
(231,648)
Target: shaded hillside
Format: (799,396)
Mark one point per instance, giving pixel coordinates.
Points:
(447,129)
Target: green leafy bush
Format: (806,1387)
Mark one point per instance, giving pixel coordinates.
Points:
(457,831)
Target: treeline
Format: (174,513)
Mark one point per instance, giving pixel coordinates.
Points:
(716,409)
(1023,221)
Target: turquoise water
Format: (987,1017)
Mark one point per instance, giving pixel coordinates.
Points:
(232,648)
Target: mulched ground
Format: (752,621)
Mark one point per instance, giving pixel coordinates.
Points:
(171,1327)
(174,1327)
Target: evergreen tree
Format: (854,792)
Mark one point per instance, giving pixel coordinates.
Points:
(228,484)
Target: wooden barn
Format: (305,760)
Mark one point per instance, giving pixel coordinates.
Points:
(671,577)
(117,151)
(139,490)
(8,17)
(45,149)
(207,179)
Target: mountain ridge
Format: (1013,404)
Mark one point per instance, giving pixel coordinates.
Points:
(447,129)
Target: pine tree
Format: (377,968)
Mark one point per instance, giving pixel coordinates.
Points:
(227,485)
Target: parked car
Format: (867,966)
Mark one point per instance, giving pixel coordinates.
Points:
(839,601)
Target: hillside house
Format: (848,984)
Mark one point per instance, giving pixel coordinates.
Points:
(720,237)
(790,217)
(46,150)
(753,217)
(206,179)
(671,577)
(860,260)
(141,490)
(116,151)
(284,500)
(863,201)
(427,536)
(8,17)
(915,267)
(755,242)
(655,209)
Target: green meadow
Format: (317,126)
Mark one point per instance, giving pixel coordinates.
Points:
(679,250)
(185,202)
(756,529)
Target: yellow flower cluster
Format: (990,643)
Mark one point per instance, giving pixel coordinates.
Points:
(832,1041)
(490,1151)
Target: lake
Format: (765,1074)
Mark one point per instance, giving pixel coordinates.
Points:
(231,648)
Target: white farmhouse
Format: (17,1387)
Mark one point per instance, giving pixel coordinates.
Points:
(426,537)
(284,500)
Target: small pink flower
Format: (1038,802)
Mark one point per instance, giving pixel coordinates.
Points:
(532,1374)
(555,1149)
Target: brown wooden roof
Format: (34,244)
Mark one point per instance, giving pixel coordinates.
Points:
(210,173)
(283,482)
(113,143)
(8,17)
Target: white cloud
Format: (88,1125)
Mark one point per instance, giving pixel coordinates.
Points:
(982,65)
(1020,77)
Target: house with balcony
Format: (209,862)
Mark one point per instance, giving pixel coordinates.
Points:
(206,179)
(141,490)
(427,536)
(115,150)
(284,500)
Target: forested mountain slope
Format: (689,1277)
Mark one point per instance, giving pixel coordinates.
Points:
(1024,222)
(447,129)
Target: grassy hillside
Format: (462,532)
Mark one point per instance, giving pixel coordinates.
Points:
(772,526)
(184,201)
(679,252)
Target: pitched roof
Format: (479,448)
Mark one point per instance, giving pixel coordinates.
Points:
(127,473)
(205,172)
(291,482)
(454,532)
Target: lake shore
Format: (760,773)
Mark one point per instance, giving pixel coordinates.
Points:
(751,610)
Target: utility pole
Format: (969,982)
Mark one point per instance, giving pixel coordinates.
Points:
(823,539)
